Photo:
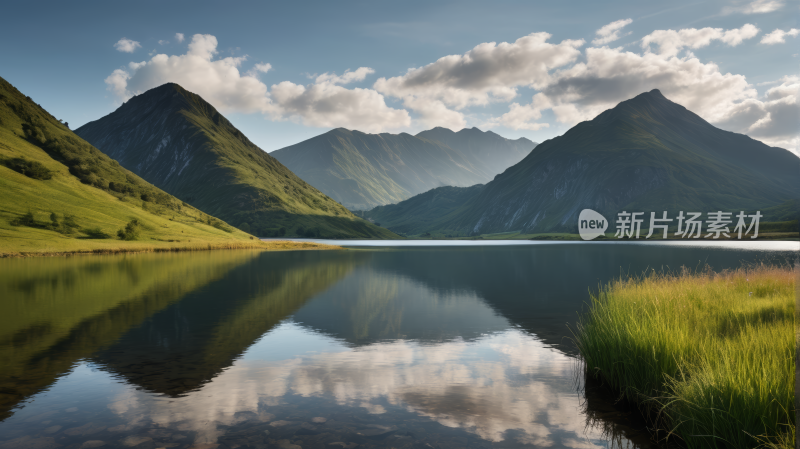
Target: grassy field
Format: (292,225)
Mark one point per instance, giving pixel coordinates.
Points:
(709,356)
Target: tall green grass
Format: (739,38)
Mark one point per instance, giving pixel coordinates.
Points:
(710,356)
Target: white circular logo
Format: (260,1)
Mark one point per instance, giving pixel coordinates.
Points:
(591,224)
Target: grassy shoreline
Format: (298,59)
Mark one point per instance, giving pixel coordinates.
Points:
(709,355)
(119,247)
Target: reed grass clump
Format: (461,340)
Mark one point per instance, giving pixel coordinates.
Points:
(709,355)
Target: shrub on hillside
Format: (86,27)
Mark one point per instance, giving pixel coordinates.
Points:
(31,169)
(132,231)
(97,233)
(25,220)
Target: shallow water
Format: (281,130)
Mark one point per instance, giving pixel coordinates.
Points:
(402,346)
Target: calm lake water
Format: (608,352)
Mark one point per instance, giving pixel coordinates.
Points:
(404,346)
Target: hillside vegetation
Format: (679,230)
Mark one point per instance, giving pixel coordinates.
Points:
(362,170)
(177,141)
(60,194)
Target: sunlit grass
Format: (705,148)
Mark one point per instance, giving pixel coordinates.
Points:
(712,354)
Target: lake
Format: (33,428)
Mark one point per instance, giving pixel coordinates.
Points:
(447,345)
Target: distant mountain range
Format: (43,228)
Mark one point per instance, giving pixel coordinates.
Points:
(646,154)
(177,141)
(362,171)
(60,194)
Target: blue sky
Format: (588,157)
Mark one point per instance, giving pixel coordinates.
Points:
(530,69)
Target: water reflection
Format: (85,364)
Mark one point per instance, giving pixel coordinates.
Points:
(56,311)
(185,345)
(405,348)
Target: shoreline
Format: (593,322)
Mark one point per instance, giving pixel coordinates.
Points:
(277,245)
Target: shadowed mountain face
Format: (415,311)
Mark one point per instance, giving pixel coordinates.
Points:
(362,170)
(179,142)
(646,154)
(423,212)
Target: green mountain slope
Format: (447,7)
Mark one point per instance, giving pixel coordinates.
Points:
(646,154)
(423,212)
(180,143)
(362,170)
(60,194)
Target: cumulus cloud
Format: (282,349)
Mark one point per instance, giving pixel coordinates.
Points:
(610,75)
(259,68)
(179,37)
(489,72)
(610,32)
(326,104)
(347,77)
(778,115)
(163,42)
(126,45)
(779,36)
(220,82)
(755,7)
(434,113)
(520,117)
(671,42)
(573,85)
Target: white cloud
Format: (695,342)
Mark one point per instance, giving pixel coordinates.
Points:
(259,68)
(126,45)
(756,7)
(163,42)
(520,117)
(671,42)
(610,32)
(179,37)
(347,77)
(610,76)
(489,72)
(220,82)
(779,36)
(571,84)
(326,104)
(434,113)
(778,115)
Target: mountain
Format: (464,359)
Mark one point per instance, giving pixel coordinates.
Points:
(177,141)
(646,154)
(422,213)
(362,170)
(60,194)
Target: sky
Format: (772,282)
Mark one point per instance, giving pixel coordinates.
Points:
(283,72)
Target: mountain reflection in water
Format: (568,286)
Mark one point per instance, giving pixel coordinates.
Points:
(455,347)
